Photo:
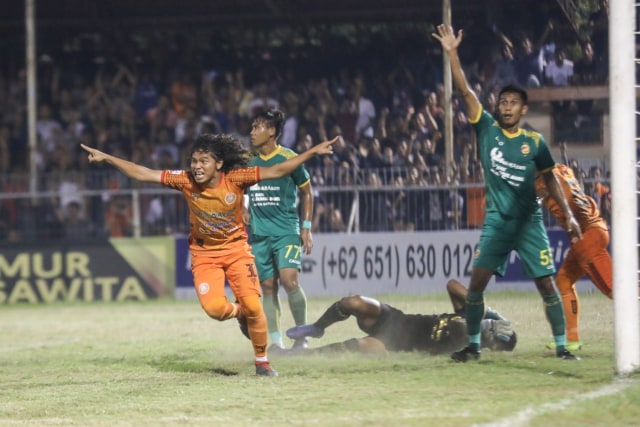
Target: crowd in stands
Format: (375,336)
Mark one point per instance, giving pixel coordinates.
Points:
(146,99)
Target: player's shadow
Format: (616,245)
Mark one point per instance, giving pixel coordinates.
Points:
(178,363)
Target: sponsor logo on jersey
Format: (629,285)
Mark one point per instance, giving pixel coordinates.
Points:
(230,198)
(175,172)
(203,288)
(525,149)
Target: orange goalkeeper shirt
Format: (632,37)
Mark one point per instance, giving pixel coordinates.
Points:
(215,214)
(584,208)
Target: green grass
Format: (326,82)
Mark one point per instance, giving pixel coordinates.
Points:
(166,363)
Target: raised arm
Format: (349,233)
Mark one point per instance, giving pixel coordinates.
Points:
(450,43)
(285,168)
(130,169)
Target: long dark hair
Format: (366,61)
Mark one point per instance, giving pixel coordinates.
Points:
(222,147)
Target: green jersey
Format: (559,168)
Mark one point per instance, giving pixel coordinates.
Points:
(509,162)
(272,202)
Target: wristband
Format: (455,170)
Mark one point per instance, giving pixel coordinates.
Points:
(306,224)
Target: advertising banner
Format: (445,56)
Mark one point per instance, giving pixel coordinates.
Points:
(407,263)
(114,270)
(388,263)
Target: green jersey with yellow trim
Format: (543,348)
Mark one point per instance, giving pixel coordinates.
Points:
(273,202)
(509,162)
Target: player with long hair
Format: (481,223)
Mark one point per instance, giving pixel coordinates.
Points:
(213,188)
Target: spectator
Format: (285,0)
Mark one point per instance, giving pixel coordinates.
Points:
(46,127)
(374,205)
(165,146)
(398,205)
(595,186)
(37,221)
(5,153)
(304,144)
(328,219)
(454,205)
(363,107)
(559,73)
(505,68)
(436,200)
(262,101)
(587,71)
(146,95)
(391,158)
(118,102)
(529,61)
(162,116)
(598,23)
(118,218)
(184,94)
(290,128)
(76,227)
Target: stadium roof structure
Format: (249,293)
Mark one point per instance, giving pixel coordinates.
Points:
(83,13)
(138,12)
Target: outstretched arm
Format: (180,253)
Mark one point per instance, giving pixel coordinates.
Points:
(450,43)
(130,169)
(285,168)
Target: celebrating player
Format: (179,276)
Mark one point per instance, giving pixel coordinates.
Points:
(213,188)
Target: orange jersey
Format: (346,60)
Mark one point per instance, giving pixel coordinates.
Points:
(584,208)
(215,214)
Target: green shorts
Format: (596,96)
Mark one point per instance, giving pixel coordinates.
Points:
(275,253)
(527,237)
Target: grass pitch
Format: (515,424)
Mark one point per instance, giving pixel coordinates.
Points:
(166,363)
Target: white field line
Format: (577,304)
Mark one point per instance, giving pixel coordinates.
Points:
(522,418)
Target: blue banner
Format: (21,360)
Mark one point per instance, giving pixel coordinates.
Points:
(184,277)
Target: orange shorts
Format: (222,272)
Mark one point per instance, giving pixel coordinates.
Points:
(590,256)
(238,268)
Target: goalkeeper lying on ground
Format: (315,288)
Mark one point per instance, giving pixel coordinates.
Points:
(389,329)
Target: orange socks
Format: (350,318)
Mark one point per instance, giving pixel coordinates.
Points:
(257,323)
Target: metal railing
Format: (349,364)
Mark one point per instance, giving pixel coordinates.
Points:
(102,204)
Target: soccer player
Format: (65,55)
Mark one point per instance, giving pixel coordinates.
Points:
(276,238)
(214,187)
(510,157)
(587,256)
(389,329)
